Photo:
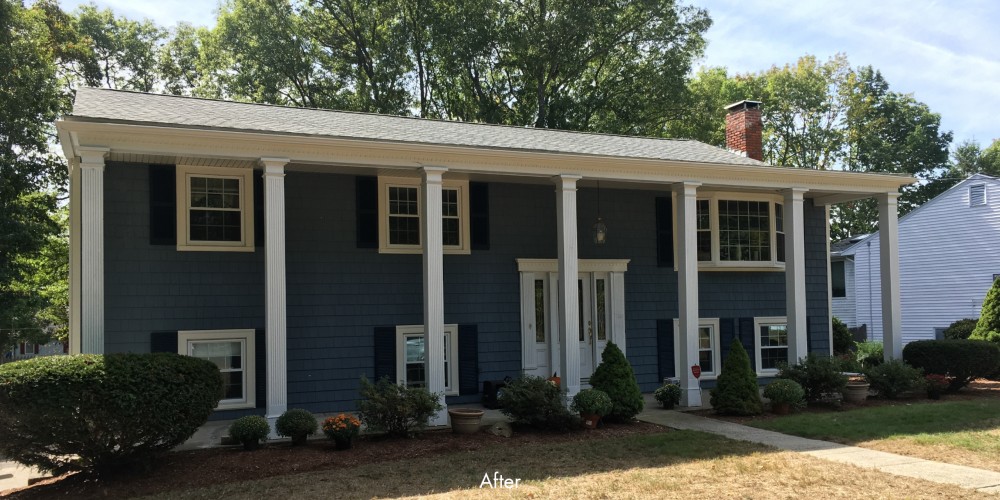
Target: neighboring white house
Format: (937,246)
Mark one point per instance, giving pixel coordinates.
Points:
(948,259)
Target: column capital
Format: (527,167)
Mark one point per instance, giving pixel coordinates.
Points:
(566,181)
(433,174)
(794,193)
(890,197)
(92,157)
(686,187)
(274,166)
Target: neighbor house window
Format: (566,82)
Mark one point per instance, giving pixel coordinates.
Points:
(214,209)
(838,278)
(709,355)
(411,357)
(233,352)
(400,214)
(772,343)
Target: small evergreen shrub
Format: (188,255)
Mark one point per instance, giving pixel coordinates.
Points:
(592,402)
(736,391)
(988,327)
(964,360)
(250,430)
(785,391)
(615,377)
(102,413)
(870,353)
(894,377)
(818,376)
(296,424)
(843,341)
(395,409)
(536,402)
(669,395)
(961,329)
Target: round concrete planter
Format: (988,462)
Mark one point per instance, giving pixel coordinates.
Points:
(465,420)
(856,393)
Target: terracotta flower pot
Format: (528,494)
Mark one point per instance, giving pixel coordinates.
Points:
(465,420)
(590,421)
(781,408)
(343,443)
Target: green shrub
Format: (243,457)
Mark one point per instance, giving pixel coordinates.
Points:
(988,327)
(534,401)
(843,341)
(615,377)
(669,395)
(818,376)
(894,377)
(785,391)
(102,412)
(394,408)
(736,391)
(965,360)
(592,402)
(870,353)
(250,430)
(296,424)
(961,329)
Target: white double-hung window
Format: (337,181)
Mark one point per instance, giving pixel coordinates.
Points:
(709,353)
(411,357)
(400,215)
(233,352)
(214,209)
(772,343)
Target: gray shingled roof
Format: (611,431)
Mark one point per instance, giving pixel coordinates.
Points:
(133,107)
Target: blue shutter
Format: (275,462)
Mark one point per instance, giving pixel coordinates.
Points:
(163,342)
(468,359)
(385,352)
(665,347)
(727,334)
(260,367)
(749,339)
(258,209)
(366,202)
(162,205)
(479,213)
(664,232)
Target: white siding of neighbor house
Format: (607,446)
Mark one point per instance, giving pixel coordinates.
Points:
(844,308)
(947,258)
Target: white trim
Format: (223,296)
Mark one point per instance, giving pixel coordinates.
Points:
(247,337)
(462,186)
(92,249)
(451,333)
(584,266)
(244,176)
(766,321)
(713,323)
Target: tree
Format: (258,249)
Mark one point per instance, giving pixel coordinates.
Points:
(736,391)
(615,377)
(123,54)
(988,327)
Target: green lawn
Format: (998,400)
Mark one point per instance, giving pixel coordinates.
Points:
(966,432)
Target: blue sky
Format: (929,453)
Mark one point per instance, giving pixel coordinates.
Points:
(944,53)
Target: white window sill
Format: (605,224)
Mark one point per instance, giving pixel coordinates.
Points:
(741,266)
(215,248)
(420,251)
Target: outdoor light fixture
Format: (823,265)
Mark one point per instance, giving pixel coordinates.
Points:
(600,230)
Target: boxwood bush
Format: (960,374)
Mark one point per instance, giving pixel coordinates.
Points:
(894,378)
(395,409)
(102,413)
(965,360)
(534,401)
(818,375)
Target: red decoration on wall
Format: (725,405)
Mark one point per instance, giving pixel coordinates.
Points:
(696,371)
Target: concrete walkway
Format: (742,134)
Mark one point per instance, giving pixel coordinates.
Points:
(967,477)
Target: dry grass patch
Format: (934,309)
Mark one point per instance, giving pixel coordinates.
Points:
(670,465)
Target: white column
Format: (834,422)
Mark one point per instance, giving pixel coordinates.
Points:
(795,275)
(275,300)
(569,271)
(888,229)
(687,291)
(92,249)
(74,256)
(431,234)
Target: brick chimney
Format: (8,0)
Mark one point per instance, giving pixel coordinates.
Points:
(744,129)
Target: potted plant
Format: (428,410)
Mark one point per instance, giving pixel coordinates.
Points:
(592,404)
(250,431)
(296,424)
(669,395)
(784,394)
(465,420)
(856,390)
(937,384)
(342,429)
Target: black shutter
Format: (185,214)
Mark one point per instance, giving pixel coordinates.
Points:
(664,232)
(468,360)
(163,342)
(366,198)
(258,209)
(260,370)
(749,339)
(665,347)
(727,334)
(385,352)
(162,205)
(479,211)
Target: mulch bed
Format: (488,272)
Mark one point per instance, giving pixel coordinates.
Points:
(193,469)
(978,389)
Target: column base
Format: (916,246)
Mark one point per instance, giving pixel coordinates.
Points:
(440,418)
(691,396)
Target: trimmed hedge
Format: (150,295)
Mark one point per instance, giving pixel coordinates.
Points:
(894,378)
(102,412)
(966,360)
(961,329)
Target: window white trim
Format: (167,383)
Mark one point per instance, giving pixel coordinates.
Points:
(766,321)
(183,188)
(719,265)
(246,338)
(712,323)
(462,186)
(451,341)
